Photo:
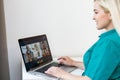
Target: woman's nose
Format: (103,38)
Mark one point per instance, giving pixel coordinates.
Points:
(93,17)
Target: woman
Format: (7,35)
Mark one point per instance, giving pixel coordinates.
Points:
(102,60)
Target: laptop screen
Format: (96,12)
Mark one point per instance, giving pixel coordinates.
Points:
(35,51)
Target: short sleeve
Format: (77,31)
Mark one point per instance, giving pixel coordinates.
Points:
(103,61)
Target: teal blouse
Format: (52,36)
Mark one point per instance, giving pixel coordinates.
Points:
(102,60)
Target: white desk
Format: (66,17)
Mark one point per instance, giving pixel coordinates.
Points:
(28,76)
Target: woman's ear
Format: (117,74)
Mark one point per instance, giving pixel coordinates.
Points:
(110,17)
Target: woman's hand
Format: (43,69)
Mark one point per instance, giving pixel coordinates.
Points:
(66,60)
(57,72)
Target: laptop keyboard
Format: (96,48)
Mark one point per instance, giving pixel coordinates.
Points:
(43,69)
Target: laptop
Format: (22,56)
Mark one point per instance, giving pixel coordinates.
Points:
(37,56)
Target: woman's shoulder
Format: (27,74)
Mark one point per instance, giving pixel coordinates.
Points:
(114,37)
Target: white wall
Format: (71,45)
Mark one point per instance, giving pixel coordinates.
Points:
(67,23)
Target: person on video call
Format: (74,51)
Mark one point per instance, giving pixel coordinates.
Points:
(102,60)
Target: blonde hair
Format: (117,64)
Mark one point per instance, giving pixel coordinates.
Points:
(113,7)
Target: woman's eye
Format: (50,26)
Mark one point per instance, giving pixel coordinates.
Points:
(96,12)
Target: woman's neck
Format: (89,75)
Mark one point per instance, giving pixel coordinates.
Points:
(110,26)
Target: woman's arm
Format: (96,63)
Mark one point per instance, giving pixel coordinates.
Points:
(58,72)
(75,77)
(78,64)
